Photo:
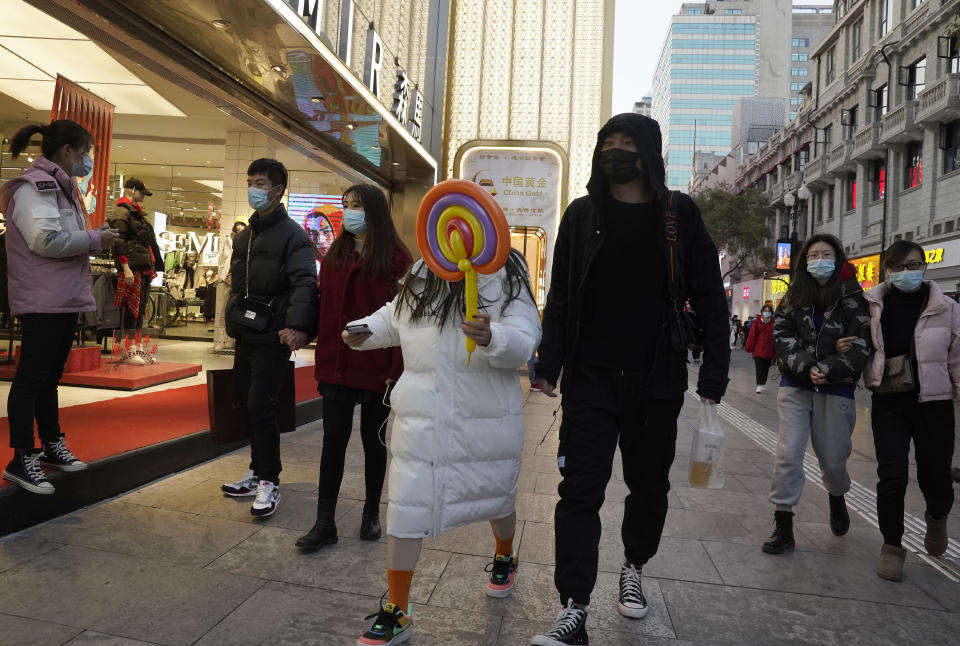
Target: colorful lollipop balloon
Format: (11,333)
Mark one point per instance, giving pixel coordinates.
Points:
(462,231)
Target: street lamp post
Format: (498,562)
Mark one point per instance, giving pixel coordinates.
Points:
(792,202)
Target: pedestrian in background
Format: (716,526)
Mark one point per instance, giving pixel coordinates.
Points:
(760,345)
(272,312)
(457,439)
(359,274)
(821,338)
(746,332)
(915,376)
(48,276)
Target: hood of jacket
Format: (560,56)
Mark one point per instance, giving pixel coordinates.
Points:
(646,133)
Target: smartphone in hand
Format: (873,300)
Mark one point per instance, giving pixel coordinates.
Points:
(358,329)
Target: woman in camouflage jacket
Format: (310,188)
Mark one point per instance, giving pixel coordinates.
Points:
(821,337)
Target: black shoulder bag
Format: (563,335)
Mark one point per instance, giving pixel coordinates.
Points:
(682,324)
(251,314)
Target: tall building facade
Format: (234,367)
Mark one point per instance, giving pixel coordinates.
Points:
(715,53)
(876,146)
(530,71)
(811,23)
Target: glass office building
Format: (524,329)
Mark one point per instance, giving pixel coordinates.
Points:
(707,63)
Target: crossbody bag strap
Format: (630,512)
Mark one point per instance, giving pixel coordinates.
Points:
(246,275)
(671,232)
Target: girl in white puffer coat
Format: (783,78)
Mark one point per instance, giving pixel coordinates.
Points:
(457,438)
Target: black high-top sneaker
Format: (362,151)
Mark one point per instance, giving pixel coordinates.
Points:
(782,538)
(24,470)
(631,602)
(570,628)
(56,454)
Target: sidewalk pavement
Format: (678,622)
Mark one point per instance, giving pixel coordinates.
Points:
(177,563)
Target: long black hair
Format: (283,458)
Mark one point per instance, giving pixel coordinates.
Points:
(438,297)
(382,236)
(56,135)
(805,290)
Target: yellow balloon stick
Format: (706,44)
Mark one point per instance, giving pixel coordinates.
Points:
(469,284)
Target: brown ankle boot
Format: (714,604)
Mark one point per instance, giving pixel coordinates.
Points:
(890,565)
(935,541)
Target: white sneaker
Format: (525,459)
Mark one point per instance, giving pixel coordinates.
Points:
(759,390)
(245,486)
(763,389)
(268,495)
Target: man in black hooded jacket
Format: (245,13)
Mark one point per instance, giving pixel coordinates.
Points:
(607,327)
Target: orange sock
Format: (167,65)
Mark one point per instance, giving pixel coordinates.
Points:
(504,545)
(398,582)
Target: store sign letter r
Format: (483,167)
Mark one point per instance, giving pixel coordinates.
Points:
(372,62)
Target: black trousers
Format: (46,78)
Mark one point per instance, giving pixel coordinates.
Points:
(337,427)
(896,421)
(763,370)
(133,323)
(46,343)
(600,411)
(257,367)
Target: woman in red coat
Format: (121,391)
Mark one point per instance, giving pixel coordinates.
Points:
(359,275)
(760,344)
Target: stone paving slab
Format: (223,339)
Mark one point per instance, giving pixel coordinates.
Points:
(21,630)
(732,615)
(92,638)
(123,595)
(15,550)
(156,534)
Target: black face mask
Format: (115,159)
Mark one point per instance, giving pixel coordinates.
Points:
(619,165)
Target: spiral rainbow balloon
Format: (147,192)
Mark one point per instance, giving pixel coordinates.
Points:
(462,231)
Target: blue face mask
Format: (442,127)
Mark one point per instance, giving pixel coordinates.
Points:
(820,268)
(907,280)
(83,167)
(258,198)
(766,315)
(354,221)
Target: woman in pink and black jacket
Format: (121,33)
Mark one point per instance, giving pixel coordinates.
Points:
(760,345)
(48,277)
(911,318)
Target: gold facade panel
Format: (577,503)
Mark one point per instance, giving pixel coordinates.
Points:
(529,70)
(527,61)
(495,82)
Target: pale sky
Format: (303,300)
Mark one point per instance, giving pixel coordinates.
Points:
(641,26)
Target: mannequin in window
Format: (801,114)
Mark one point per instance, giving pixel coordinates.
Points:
(138,259)
(190,265)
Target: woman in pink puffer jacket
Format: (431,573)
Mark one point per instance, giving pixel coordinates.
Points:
(911,318)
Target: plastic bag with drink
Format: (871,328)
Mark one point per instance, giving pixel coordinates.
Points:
(706,453)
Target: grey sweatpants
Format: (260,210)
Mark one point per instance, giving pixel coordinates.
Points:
(828,421)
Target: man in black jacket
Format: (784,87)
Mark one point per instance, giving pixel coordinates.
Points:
(607,327)
(272,311)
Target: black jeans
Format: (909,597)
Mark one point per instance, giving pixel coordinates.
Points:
(258,369)
(600,410)
(763,370)
(46,343)
(897,420)
(337,427)
(133,323)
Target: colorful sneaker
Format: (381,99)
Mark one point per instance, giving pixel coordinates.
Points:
(268,496)
(631,602)
(503,575)
(391,626)
(535,388)
(569,629)
(25,471)
(245,486)
(56,454)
